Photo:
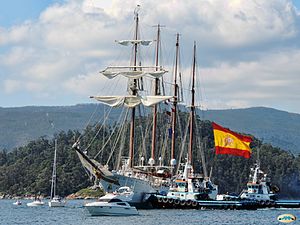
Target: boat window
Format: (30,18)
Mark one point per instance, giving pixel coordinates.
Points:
(103,200)
(115,200)
(121,203)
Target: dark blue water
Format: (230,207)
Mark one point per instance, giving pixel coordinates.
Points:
(74,214)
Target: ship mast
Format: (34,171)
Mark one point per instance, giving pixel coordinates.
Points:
(133,89)
(53,182)
(174,109)
(192,112)
(156,92)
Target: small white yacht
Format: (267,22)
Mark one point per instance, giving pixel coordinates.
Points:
(56,202)
(18,202)
(113,204)
(36,202)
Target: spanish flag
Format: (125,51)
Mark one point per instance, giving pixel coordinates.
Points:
(229,142)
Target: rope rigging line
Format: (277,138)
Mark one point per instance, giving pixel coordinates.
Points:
(146,132)
(88,122)
(107,141)
(117,138)
(123,138)
(201,144)
(100,128)
(183,145)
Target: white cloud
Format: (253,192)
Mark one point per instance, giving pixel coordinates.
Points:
(11,86)
(249,50)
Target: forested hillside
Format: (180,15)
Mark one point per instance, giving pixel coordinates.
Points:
(27,169)
(21,125)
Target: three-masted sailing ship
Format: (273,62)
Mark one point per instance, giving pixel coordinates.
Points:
(143,180)
(154,178)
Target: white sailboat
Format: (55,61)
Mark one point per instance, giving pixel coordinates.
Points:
(55,201)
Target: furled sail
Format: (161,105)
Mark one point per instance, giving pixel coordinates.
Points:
(133,74)
(131,101)
(142,42)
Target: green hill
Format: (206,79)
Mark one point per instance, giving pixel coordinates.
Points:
(22,124)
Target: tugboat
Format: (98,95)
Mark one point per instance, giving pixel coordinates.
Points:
(191,191)
(187,190)
(189,186)
(259,188)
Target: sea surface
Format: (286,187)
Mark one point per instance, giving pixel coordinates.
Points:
(74,213)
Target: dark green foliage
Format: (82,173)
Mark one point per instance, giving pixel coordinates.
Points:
(27,170)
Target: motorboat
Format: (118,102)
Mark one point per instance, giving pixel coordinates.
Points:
(18,202)
(110,207)
(36,202)
(113,204)
(56,202)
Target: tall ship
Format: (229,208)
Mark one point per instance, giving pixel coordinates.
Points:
(145,180)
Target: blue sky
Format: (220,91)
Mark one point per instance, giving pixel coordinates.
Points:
(51,51)
(14,12)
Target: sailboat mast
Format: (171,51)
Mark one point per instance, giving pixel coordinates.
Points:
(174,109)
(53,182)
(134,90)
(156,92)
(192,112)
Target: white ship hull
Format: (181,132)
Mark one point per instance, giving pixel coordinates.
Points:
(55,203)
(110,209)
(35,203)
(142,188)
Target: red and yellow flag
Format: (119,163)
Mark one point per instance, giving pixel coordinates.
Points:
(229,142)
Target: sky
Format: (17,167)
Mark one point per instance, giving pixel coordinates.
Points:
(248,52)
